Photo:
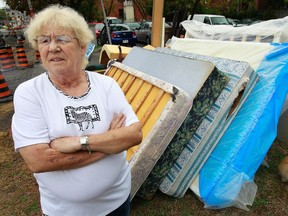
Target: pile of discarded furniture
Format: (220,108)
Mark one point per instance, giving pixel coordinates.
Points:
(209,111)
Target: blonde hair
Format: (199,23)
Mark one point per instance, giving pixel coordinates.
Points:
(63,17)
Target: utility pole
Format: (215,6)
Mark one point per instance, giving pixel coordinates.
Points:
(106,23)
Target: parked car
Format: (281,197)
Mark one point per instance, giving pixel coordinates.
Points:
(247,22)
(114,20)
(98,28)
(92,23)
(133,25)
(120,34)
(144,32)
(211,19)
(233,22)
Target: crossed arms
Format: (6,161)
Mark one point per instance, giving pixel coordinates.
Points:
(66,152)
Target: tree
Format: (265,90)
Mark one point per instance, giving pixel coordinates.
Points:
(2,15)
(109,6)
(89,10)
(145,7)
(23,5)
(86,7)
(179,10)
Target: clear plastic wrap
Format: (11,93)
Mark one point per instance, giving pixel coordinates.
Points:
(275,30)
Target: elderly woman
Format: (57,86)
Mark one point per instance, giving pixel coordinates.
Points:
(71,126)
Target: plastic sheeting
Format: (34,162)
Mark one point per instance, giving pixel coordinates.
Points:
(226,179)
(275,30)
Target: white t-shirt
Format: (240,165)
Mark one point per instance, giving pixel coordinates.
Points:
(43,113)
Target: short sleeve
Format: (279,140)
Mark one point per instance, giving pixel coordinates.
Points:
(28,123)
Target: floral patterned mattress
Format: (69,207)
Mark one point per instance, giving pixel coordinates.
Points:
(200,79)
(242,80)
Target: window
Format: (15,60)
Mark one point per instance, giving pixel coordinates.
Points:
(121,13)
(119,28)
(207,21)
(219,21)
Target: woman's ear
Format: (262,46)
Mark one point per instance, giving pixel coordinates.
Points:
(83,49)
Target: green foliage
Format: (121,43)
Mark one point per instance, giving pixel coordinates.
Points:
(2,14)
(32,209)
(180,9)
(234,9)
(90,11)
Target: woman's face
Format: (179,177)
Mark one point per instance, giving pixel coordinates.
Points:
(60,51)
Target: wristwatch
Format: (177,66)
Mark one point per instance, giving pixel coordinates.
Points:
(85,144)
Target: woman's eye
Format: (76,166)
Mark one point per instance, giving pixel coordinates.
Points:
(63,39)
(45,40)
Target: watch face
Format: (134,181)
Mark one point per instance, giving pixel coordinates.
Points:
(83,140)
(84,144)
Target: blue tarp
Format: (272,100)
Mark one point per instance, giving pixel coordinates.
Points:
(227,177)
(89,51)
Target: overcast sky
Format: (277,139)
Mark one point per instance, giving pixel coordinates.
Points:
(2,4)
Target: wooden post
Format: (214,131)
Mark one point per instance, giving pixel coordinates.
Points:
(157,15)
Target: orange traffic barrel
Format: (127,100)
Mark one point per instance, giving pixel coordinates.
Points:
(21,56)
(38,57)
(5,94)
(7,58)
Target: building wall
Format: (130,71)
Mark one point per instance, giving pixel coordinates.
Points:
(129,15)
(261,4)
(119,10)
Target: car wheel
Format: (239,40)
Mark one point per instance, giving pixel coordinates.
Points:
(98,41)
(103,41)
(148,41)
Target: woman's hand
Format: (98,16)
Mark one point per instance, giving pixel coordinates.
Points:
(66,144)
(118,121)
(72,144)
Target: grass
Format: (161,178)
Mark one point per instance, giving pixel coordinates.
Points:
(19,192)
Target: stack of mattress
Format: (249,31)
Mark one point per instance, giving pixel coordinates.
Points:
(242,80)
(226,179)
(161,109)
(200,79)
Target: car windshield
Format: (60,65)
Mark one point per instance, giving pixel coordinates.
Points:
(115,21)
(99,26)
(219,21)
(119,28)
(133,25)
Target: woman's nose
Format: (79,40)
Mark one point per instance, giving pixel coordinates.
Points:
(53,45)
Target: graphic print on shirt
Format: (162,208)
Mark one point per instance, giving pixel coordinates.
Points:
(81,115)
